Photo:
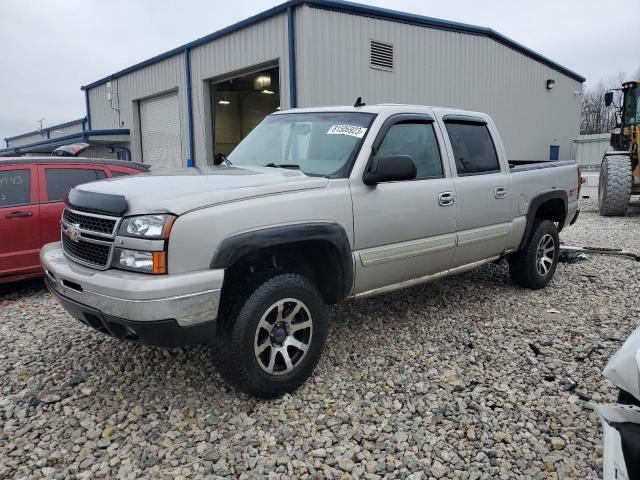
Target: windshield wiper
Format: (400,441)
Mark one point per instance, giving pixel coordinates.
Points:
(283,165)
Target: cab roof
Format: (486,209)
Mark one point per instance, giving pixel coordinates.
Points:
(382,108)
(71,160)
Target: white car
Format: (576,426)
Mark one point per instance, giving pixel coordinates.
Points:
(621,420)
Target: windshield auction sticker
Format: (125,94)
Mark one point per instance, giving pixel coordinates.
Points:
(350,130)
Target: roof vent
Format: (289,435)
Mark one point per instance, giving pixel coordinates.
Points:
(381,55)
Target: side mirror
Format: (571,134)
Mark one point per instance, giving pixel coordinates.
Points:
(218,159)
(390,168)
(608,99)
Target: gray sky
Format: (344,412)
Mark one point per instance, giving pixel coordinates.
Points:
(49,48)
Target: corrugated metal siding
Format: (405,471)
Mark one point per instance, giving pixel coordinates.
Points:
(589,149)
(256,44)
(17,142)
(68,130)
(437,67)
(53,133)
(99,152)
(155,79)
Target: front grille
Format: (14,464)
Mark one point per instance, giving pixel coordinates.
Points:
(87,252)
(93,236)
(90,222)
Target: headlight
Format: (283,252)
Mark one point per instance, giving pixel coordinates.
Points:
(147,226)
(138,261)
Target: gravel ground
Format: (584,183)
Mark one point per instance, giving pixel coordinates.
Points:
(470,377)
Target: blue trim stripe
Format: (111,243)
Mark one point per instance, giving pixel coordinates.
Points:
(52,127)
(187,67)
(67,138)
(86,101)
(291,38)
(354,8)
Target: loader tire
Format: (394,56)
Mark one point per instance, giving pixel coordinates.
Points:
(614,189)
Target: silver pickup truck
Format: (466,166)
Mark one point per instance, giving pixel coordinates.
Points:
(315,206)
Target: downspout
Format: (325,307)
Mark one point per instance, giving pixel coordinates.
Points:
(187,67)
(291,36)
(128,153)
(86,101)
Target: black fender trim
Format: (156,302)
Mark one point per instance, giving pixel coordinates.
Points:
(237,246)
(535,205)
(103,203)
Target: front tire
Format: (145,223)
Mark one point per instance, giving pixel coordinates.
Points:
(271,337)
(534,266)
(614,187)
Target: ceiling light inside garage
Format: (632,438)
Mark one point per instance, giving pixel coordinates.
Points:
(261,82)
(224,102)
(267,92)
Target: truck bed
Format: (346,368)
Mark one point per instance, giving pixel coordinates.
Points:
(524,165)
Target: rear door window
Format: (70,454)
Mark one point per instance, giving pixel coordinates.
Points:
(15,187)
(61,180)
(473,148)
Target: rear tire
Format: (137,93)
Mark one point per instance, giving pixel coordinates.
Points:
(271,334)
(534,266)
(614,189)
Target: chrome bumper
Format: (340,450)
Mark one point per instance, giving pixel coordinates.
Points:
(188,298)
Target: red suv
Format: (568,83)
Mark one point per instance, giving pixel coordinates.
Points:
(32,191)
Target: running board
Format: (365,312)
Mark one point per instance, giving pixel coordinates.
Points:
(426,279)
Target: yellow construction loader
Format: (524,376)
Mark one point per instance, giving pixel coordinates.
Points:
(620,169)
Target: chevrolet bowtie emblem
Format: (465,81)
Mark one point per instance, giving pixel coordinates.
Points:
(73,232)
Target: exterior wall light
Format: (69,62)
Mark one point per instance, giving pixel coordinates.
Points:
(550,84)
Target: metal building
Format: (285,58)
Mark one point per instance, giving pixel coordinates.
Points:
(103,143)
(181,107)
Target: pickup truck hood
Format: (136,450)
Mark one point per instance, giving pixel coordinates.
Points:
(178,191)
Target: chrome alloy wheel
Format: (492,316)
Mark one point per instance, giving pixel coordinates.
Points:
(283,336)
(545,254)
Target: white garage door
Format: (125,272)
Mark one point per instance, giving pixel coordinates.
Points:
(160,131)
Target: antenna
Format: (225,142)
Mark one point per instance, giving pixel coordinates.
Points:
(359,103)
(40,122)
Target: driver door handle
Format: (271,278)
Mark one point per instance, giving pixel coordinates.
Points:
(500,192)
(18,214)
(446,198)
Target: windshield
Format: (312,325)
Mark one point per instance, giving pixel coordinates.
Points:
(632,106)
(321,144)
